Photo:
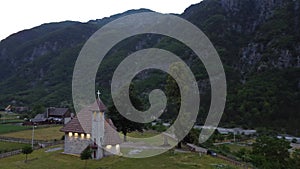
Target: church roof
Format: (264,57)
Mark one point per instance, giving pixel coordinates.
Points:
(73,126)
(102,107)
(83,124)
(111,136)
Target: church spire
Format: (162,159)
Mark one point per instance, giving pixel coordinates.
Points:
(99,103)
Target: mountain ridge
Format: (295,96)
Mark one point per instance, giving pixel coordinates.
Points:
(256,40)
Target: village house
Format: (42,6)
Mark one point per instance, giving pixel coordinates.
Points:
(53,115)
(8,109)
(236,131)
(92,129)
(21,109)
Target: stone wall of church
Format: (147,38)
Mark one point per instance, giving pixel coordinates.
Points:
(75,145)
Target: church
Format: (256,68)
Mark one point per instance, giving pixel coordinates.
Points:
(92,129)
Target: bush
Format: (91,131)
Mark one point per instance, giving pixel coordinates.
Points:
(27,150)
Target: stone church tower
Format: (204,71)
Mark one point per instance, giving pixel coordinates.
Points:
(98,132)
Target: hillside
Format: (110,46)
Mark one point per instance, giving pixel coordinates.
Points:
(258,42)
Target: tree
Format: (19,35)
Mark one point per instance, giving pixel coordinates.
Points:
(295,161)
(244,155)
(27,150)
(37,109)
(174,100)
(192,137)
(270,152)
(123,124)
(85,155)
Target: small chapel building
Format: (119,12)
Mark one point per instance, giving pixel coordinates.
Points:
(90,128)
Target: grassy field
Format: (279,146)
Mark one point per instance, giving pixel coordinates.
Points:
(236,147)
(143,135)
(8,146)
(55,160)
(49,133)
(152,138)
(10,118)
(8,128)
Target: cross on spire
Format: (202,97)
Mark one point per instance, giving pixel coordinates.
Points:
(98,93)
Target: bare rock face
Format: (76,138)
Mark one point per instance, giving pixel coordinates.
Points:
(270,23)
(264,6)
(251,56)
(44,48)
(258,11)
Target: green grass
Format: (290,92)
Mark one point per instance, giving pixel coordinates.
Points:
(10,118)
(236,147)
(8,128)
(142,135)
(55,160)
(9,146)
(151,138)
(5,115)
(49,133)
(12,121)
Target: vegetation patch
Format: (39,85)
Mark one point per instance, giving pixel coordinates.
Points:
(46,134)
(58,160)
(9,146)
(9,128)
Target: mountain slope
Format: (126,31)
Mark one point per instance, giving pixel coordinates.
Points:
(257,40)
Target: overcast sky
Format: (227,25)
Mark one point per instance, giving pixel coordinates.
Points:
(17,15)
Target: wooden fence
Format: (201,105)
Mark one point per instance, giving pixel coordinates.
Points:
(26,141)
(11,153)
(19,140)
(40,143)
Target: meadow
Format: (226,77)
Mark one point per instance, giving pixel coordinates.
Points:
(237,147)
(45,134)
(151,138)
(169,160)
(9,146)
(9,118)
(42,159)
(10,128)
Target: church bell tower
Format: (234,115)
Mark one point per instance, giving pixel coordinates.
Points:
(98,130)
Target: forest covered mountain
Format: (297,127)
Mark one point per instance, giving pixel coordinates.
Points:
(258,42)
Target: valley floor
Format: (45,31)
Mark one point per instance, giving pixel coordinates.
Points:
(169,160)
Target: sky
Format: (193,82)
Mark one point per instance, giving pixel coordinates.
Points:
(17,15)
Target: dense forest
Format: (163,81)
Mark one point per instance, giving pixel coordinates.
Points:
(258,42)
